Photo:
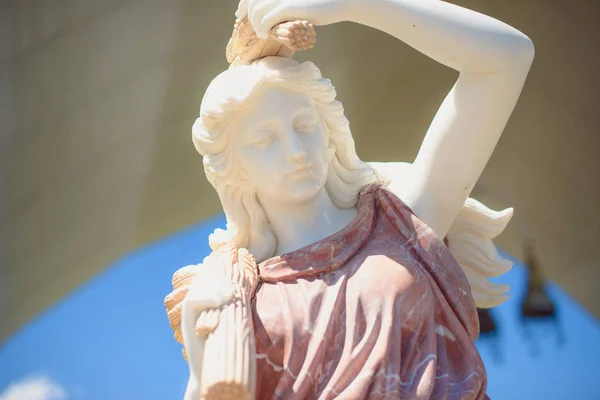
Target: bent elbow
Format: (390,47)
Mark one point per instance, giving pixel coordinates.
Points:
(519,56)
(526,51)
(510,54)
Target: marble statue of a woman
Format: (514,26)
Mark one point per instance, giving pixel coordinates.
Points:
(347,279)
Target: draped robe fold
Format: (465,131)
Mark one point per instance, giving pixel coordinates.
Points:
(378,310)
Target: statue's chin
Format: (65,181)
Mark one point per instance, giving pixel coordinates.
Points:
(299,192)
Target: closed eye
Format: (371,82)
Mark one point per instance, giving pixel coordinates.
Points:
(304,126)
(263,140)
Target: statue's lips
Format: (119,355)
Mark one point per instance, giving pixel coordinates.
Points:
(300,170)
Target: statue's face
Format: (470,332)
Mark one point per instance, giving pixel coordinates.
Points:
(281,146)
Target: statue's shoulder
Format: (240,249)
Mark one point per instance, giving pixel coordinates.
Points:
(393,175)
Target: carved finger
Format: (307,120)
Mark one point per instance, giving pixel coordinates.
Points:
(214,318)
(207,322)
(201,324)
(256,15)
(272,18)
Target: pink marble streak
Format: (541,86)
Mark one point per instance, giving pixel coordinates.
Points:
(379,310)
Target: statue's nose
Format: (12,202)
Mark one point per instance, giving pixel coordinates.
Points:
(295,150)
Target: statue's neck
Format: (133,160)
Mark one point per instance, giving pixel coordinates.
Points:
(298,225)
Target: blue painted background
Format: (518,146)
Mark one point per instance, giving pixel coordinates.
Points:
(110,339)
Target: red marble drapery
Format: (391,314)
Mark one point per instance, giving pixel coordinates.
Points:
(378,310)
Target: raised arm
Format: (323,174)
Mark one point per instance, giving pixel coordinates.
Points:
(493,60)
(462,39)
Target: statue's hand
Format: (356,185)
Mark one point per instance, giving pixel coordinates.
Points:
(265,14)
(204,298)
(208,291)
(198,280)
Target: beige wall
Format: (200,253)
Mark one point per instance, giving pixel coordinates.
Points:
(97,99)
